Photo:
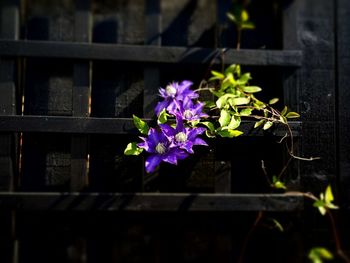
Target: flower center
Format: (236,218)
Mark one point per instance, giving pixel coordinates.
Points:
(181,137)
(170,90)
(160,148)
(188,114)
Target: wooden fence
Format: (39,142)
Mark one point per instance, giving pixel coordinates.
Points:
(72,73)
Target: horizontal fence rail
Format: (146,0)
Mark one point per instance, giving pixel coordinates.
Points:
(171,202)
(149,54)
(94,125)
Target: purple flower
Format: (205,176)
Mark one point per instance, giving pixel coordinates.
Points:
(191,111)
(161,149)
(183,137)
(175,94)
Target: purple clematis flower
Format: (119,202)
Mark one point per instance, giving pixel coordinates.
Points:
(161,149)
(192,112)
(174,94)
(183,137)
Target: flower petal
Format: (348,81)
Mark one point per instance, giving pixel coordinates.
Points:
(161,105)
(168,130)
(199,141)
(152,162)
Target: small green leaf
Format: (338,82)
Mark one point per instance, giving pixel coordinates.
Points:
(231,17)
(251,89)
(319,254)
(291,115)
(279,185)
(231,69)
(222,101)
(273,101)
(140,125)
(244,15)
(224,118)
(328,195)
(246,112)
(238,101)
(209,104)
(283,119)
(247,25)
(258,123)
(209,125)
(163,117)
(132,149)
(284,111)
(278,225)
(217,74)
(267,125)
(210,134)
(229,133)
(244,79)
(234,123)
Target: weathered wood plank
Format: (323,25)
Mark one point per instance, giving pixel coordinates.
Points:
(80,98)
(171,202)
(151,54)
(109,125)
(343,98)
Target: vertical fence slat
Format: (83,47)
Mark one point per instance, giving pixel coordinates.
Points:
(9,29)
(151,74)
(80,105)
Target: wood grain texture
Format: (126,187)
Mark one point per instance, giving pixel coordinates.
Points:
(150,54)
(151,202)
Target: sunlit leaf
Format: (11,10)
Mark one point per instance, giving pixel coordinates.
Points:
(239,101)
(222,101)
(163,117)
(246,112)
(132,149)
(329,195)
(291,115)
(209,125)
(224,118)
(234,122)
(273,101)
(278,225)
(251,89)
(229,133)
(258,123)
(244,79)
(284,111)
(217,74)
(140,125)
(231,17)
(247,25)
(319,254)
(267,125)
(231,69)
(244,15)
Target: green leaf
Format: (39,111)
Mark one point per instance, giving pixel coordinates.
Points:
(210,134)
(247,25)
(279,185)
(244,15)
(329,195)
(283,119)
(319,254)
(231,69)
(163,117)
(140,125)
(224,118)
(291,115)
(229,133)
(217,93)
(273,101)
(244,79)
(217,74)
(238,101)
(231,17)
(222,101)
(251,89)
(246,112)
(284,111)
(234,123)
(267,125)
(258,123)
(210,104)
(278,225)
(209,125)
(132,149)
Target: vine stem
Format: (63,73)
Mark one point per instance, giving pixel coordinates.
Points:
(248,236)
(335,232)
